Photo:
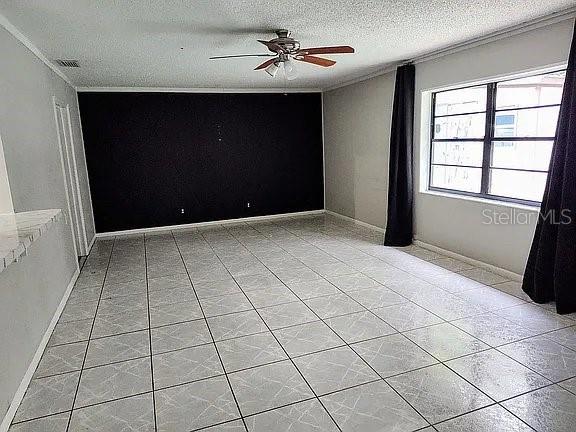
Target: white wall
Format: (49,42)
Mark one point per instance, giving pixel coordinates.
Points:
(30,292)
(457,224)
(356,140)
(28,130)
(357,133)
(6,205)
(31,289)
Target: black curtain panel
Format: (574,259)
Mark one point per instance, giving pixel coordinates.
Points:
(399,230)
(550,273)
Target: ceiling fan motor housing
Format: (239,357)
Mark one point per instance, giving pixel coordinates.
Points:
(283,43)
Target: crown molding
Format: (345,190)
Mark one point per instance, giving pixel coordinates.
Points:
(471,43)
(494,36)
(10,28)
(196,90)
(362,78)
(524,27)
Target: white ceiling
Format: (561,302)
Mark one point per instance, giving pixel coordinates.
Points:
(137,43)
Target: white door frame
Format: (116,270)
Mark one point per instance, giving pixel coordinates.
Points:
(82,225)
(70,176)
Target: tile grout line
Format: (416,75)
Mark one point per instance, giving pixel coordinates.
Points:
(276,361)
(275,338)
(346,343)
(293,325)
(393,388)
(210,331)
(471,316)
(486,285)
(265,237)
(150,335)
(89,335)
(319,318)
(289,326)
(498,403)
(495,348)
(448,322)
(345,293)
(359,272)
(401,294)
(441,362)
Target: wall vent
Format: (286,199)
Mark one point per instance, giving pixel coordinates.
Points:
(67,63)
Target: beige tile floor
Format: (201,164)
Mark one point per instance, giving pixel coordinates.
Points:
(301,324)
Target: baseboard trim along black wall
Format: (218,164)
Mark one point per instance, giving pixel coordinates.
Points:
(160,159)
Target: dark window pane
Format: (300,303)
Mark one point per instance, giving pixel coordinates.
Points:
(517,184)
(528,155)
(537,122)
(456,178)
(458,153)
(530,91)
(461,126)
(467,100)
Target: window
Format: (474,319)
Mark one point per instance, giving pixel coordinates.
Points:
(495,140)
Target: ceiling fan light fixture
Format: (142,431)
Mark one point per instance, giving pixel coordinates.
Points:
(272,70)
(285,50)
(290,70)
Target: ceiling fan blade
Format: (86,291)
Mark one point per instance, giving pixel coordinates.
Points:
(344,49)
(242,55)
(271,45)
(265,64)
(315,60)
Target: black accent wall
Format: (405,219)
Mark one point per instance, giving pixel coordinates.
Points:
(149,155)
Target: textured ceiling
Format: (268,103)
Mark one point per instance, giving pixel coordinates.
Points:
(136,43)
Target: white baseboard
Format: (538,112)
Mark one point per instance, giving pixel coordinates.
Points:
(17,399)
(356,221)
(494,269)
(91,244)
(210,223)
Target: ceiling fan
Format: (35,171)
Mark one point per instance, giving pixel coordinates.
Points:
(286,49)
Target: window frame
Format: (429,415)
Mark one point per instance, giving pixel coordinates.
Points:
(488,140)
